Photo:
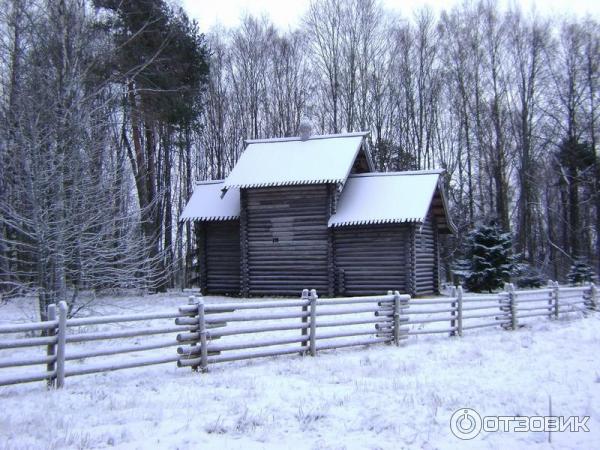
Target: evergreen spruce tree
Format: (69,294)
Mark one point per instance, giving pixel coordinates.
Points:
(489,253)
(580,273)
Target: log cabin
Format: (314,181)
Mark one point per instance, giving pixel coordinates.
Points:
(311,212)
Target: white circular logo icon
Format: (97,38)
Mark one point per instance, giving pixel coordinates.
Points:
(465,423)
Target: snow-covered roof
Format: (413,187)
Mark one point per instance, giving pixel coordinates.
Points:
(392,197)
(207,204)
(287,161)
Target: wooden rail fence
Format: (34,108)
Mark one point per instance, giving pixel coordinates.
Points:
(305,326)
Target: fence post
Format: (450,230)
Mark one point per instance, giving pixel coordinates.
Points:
(304,331)
(60,344)
(313,322)
(51,349)
(593,297)
(459,311)
(453,313)
(556,300)
(551,299)
(397,318)
(512,301)
(202,334)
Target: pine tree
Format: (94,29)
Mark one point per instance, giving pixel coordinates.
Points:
(580,273)
(489,255)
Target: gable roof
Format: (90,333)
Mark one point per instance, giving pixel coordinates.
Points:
(206,203)
(287,161)
(392,197)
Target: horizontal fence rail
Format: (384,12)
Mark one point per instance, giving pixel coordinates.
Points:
(61,331)
(205,334)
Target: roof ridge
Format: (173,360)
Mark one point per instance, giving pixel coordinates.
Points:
(391,174)
(311,138)
(201,182)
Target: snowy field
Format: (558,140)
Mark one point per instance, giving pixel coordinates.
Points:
(377,397)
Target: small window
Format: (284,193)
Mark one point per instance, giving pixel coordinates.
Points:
(275,240)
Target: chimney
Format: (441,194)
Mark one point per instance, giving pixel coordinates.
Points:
(305,128)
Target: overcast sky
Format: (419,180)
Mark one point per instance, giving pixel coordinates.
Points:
(285,13)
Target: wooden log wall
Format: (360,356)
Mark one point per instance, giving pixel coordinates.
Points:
(426,258)
(200,265)
(244,270)
(371,259)
(287,238)
(220,262)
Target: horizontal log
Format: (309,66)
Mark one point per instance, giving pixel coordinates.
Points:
(496,315)
(257,329)
(27,342)
(546,307)
(355,300)
(251,317)
(31,326)
(380,263)
(240,357)
(438,311)
(482,298)
(104,335)
(208,309)
(335,345)
(343,323)
(27,378)
(357,287)
(341,334)
(544,299)
(291,286)
(29,361)
(283,276)
(534,292)
(98,320)
(422,301)
(120,350)
(479,308)
(230,307)
(257,344)
(195,336)
(340,311)
(193,321)
(129,364)
(573,303)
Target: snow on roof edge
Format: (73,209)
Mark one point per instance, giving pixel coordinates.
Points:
(314,137)
(393,174)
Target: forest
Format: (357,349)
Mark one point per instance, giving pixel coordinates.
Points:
(110,110)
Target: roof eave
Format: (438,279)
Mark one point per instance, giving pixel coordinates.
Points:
(285,183)
(208,219)
(350,223)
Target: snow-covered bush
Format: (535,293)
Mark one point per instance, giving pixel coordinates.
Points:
(580,272)
(526,276)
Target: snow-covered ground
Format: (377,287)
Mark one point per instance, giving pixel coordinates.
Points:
(377,397)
